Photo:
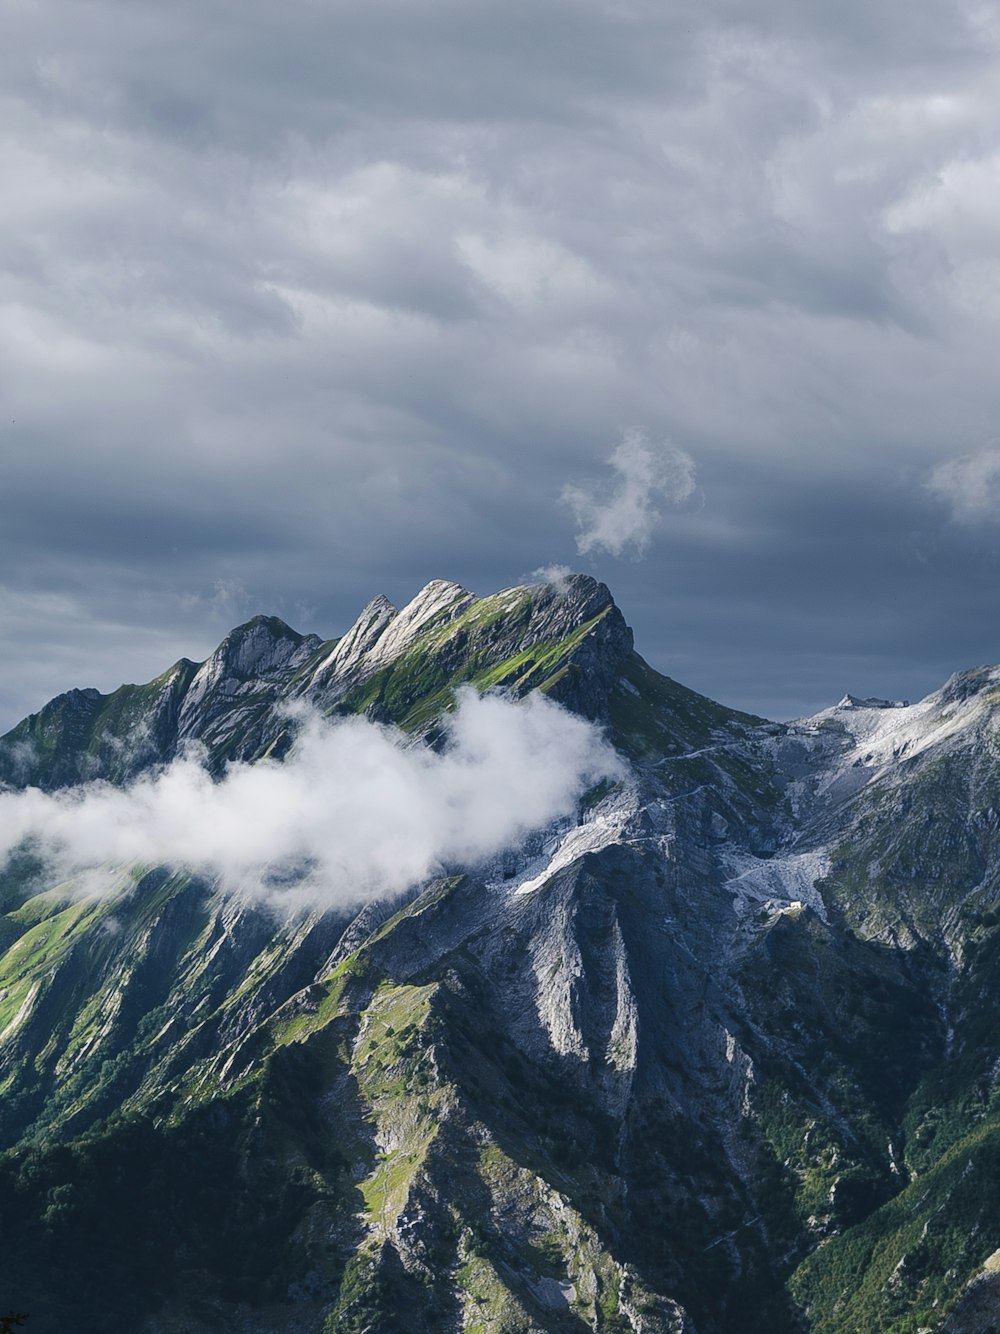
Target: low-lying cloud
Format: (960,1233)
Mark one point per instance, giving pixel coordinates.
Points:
(626,517)
(354,812)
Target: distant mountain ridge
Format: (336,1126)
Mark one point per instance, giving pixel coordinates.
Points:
(718,1055)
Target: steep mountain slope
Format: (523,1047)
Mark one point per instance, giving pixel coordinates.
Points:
(717,1055)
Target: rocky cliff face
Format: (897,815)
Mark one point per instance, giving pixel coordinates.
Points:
(716,1055)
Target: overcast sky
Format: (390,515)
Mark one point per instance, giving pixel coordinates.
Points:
(304,302)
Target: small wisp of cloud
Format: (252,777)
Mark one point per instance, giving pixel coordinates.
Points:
(557,576)
(228,601)
(355,812)
(624,519)
(970,484)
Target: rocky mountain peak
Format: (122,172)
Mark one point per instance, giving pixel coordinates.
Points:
(962,686)
(572,601)
(359,640)
(871,702)
(256,650)
(382,632)
(582,591)
(259,645)
(437,603)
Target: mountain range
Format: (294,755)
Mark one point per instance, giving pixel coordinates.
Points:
(714,1051)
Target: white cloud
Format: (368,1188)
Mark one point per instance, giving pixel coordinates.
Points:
(228,599)
(353,813)
(627,516)
(556,575)
(970,485)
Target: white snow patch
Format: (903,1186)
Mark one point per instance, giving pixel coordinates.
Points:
(608,824)
(876,734)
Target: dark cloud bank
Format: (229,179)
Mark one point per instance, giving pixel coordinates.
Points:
(299,303)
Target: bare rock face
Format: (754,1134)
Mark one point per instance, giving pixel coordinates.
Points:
(978,1309)
(232,701)
(359,641)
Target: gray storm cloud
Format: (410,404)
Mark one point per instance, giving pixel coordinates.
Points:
(625,518)
(296,305)
(353,812)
